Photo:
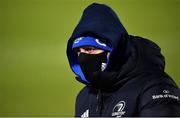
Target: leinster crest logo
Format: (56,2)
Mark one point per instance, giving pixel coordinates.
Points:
(118,109)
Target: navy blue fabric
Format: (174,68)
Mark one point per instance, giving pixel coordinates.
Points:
(100,22)
(146,90)
(134,82)
(137,94)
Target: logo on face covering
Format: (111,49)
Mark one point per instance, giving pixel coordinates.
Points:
(103,66)
(118,109)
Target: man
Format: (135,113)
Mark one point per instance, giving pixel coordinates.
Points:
(124,75)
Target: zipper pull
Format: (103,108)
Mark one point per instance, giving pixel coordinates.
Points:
(98,97)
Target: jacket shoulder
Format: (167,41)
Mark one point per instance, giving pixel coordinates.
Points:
(144,41)
(156,95)
(146,45)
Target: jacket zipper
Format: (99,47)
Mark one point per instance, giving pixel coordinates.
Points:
(99,101)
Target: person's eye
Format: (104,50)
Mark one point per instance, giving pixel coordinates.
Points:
(76,50)
(90,49)
(87,49)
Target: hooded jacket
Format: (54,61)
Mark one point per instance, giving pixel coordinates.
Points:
(133,83)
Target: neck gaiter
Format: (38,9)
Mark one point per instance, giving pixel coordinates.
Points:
(91,63)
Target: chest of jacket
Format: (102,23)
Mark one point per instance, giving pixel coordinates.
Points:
(123,102)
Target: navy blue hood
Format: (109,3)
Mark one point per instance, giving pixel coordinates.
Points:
(130,56)
(99,21)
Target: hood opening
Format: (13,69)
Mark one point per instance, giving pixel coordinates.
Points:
(99,21)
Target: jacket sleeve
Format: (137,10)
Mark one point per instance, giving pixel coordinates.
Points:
(160,100)
(81,102)
(76,107)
